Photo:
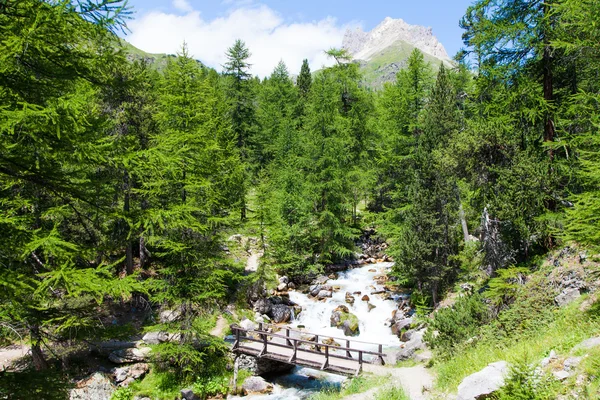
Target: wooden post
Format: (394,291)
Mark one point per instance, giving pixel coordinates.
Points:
(237,339)
(293,357)
(347,347)
(287,335)
(317,342)
(360,360)
(381,354)
(326,363)
(236,367)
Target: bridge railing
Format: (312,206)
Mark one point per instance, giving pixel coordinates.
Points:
(314,346)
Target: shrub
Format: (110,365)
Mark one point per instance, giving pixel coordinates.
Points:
(526,382)
(454,325)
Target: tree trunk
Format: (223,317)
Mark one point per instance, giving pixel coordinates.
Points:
(463,222)
(126,209)
(39,361)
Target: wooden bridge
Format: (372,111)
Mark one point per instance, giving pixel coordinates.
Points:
(285,344)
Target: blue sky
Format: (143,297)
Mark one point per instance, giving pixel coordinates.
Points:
(277,29)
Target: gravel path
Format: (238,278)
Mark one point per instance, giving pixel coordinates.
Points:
(415,381)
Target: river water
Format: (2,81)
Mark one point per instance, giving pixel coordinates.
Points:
(301,383)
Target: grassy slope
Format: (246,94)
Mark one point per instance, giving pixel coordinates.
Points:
(158,61)
(377,70)
(533,332)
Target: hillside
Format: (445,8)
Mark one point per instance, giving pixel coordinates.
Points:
(384,51)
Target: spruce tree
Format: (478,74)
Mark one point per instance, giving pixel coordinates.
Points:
(304,80)
(242,108)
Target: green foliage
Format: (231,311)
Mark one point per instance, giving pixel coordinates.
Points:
(457,324)
(502,288)
(210,387)
(395,393)
(122,393)
(524,382)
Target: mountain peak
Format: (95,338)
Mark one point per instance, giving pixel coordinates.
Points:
(364,45)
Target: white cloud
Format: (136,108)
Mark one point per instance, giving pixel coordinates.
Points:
(269,38)
(183,5)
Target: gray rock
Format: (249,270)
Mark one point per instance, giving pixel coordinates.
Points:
(571,363)
(125,356)
(415,343)
(284,279)
(161,337)
(263,306)
(561,375)
(248,325)
(96,387)
(424,356)
(282,287)
(138,371)
(188,394)
(400,325)
(321,279)
(280,313)
(483,383)
(167,316)
(257,385)
(567,296)
(314,290)
(291,286)
(121,374)
(551,357)
(588,344)
(323,294)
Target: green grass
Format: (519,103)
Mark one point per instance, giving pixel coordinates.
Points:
(397,53)
(356,385)
(568,328)
(394,393)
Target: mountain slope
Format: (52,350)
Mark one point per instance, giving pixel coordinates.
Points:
(383,51)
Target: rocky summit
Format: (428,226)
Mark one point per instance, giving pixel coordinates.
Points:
(383,51)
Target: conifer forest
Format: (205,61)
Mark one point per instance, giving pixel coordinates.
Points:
(127,189)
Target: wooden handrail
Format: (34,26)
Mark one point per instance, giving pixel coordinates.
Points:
(330,337)
(263,335)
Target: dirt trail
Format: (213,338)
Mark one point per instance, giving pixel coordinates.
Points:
(414,380)
(252,262)
(10,354)
(221,327)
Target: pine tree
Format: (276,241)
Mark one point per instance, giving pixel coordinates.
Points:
(304,80)
(242,112)
(54,58)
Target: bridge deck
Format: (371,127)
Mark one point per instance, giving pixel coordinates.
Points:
(307,353)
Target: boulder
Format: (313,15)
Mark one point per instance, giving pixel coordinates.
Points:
(263,306)
(132,355)
(282,287)
(482,384)
(280,313)
(567,296)
(161,337)
(284,279)
(349,298)
(248,325)
(96,387)
(561,375)
(341,318)
(188,394)
(314,290)
(401,325)
(167,316)
(324,294)
(365,298)
(321,279)
(571,363)
(256,385)
(291,286)
(410,347)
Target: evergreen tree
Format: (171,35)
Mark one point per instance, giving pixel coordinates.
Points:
(54,58)
(304,80)
(242,110)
